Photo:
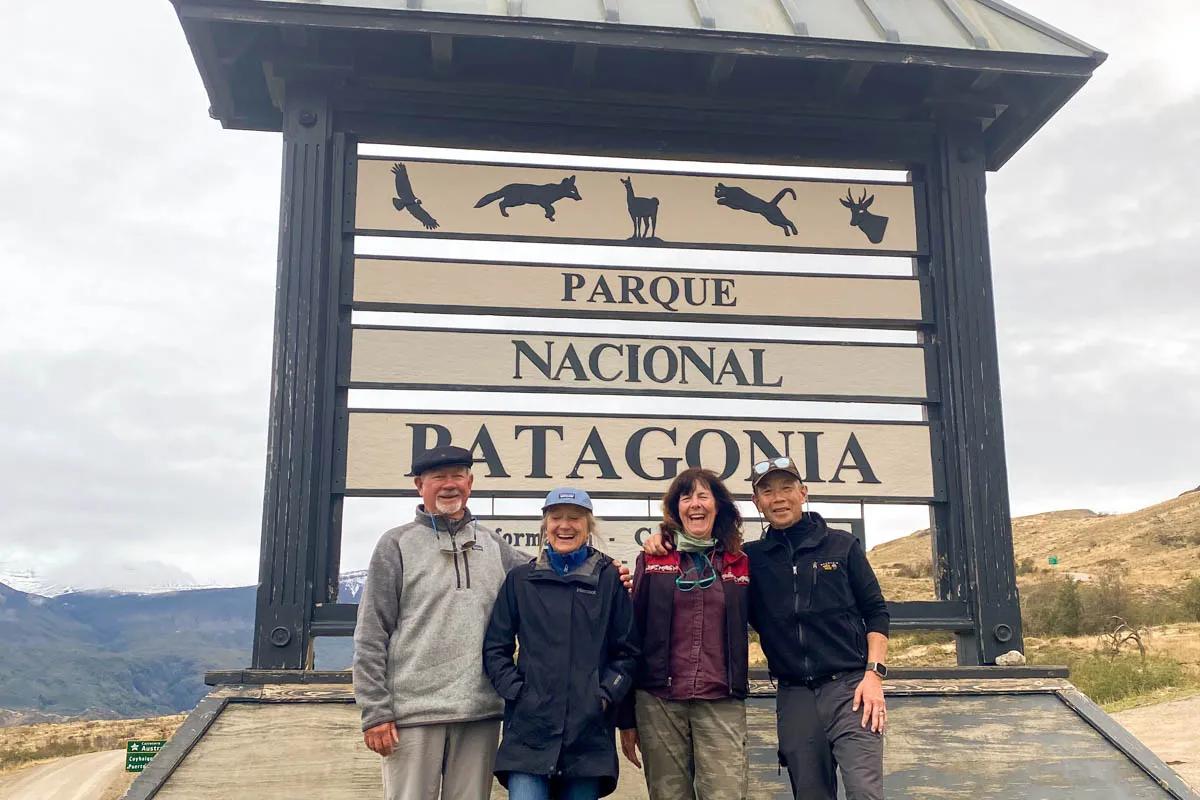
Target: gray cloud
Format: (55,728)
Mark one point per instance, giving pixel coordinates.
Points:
(138,244)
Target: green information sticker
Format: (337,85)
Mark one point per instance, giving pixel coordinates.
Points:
(1053,561)
(138,753)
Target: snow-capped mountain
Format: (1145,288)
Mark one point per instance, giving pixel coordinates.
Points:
(30,582)
(350,586)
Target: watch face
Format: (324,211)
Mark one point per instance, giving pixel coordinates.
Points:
(878,668)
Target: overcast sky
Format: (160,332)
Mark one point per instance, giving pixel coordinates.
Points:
(137,241)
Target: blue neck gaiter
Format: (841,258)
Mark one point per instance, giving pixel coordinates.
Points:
(562,564)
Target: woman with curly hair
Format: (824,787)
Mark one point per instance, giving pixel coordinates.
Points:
(688,715)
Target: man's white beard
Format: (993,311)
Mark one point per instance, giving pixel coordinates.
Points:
(448,506)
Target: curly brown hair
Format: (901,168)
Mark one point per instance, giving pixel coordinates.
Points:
(727,527)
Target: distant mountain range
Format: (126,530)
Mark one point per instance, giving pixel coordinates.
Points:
(122,654)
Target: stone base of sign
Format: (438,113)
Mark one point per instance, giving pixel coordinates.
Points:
(959,732)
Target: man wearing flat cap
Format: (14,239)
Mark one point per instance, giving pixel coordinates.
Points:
(427,706)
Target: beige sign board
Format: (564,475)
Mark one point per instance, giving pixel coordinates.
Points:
(459,199)
(487,360)
(619,537)
(626,456)
(564,290)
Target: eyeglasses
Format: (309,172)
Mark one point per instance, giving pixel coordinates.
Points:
(763,467)
(702,581)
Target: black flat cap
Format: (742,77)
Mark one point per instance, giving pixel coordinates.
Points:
(449,456)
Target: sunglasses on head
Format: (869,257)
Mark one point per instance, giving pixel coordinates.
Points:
(763,467)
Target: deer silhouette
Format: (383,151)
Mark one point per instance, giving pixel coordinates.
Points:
(643,211)
(870,224)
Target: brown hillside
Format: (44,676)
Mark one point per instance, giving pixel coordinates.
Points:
(1154,547)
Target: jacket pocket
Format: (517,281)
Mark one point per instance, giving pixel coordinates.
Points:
(830,586)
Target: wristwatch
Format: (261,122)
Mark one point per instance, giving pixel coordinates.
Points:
(878,667)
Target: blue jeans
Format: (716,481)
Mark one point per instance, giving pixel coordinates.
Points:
(523,786)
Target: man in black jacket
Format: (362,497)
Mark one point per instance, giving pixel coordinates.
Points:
(823,623)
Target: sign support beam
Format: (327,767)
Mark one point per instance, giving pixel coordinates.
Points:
(298,501)
(973,554)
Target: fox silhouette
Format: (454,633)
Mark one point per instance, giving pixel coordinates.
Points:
(521,194)
(738,198)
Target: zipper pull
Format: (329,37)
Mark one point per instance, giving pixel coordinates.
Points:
(796,569)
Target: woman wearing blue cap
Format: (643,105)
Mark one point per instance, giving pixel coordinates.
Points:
(574,621)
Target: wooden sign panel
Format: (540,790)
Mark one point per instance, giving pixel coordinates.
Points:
(531,361)
(688,295)
(520,454)
(622,537)
(477,200)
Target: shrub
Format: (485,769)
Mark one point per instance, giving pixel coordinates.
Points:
(921,569)
(1107,680)
(1191,599)
(1027,567)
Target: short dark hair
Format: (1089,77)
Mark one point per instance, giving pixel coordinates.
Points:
(727,528)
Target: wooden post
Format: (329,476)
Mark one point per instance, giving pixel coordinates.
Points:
(973,531)
(298,505)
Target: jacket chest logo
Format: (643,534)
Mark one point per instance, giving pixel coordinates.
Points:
(581,590)
(730,575)
(829,566)
(672,568)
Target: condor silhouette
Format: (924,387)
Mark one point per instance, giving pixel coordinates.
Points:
(522,194)
(406,199)
(738,198)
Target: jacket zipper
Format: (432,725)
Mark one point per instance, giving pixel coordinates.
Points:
(799,626)
(467,567)
(457,573)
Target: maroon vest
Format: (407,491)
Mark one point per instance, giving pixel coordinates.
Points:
(654,603)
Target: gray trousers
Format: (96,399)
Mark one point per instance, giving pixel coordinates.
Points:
(693,749)
(818,733)
(453,761)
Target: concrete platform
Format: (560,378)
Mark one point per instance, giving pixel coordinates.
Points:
(970,733)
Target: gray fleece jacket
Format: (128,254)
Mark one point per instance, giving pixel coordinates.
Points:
(430,590)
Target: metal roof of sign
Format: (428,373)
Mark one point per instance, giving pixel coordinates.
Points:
(453,73)
(960,24)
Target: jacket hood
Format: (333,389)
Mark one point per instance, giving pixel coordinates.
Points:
(588,572)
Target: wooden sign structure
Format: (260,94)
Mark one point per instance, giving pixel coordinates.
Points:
(950,91)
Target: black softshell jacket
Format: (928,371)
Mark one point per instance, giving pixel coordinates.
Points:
(579,646)
(813,602)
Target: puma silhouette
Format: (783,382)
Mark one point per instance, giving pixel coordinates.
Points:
(521,194)
(643,211)
(738,198)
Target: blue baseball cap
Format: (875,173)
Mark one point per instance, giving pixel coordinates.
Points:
(568,497)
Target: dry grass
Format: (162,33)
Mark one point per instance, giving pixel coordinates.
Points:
(23,745)
(1155,548)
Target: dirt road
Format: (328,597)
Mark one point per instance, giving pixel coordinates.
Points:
(82,777)
(1169,729)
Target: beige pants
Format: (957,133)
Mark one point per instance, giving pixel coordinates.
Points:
(693,749)
(454,760)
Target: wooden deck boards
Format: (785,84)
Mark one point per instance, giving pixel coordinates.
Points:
(974,738)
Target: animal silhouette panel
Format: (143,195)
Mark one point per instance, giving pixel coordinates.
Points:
(524,194)
(739,199)
(571,204)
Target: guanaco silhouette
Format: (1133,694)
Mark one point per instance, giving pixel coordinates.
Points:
(872,225)
(642,210)
(520,194)
(738,198)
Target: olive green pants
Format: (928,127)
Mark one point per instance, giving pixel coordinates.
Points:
(693,749)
